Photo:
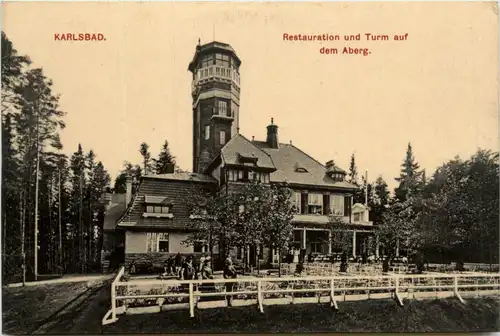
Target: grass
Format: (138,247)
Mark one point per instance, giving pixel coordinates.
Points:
(24,308)
(446,315)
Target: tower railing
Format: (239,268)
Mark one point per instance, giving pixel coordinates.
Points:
(216,71)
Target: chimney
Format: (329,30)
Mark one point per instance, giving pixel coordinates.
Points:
(330,164)
(253,138)
(170,168)
(272,135)
(128,196)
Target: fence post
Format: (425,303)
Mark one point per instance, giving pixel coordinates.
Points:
(455,289)
(259,296)
(113,301)
(333,303)
(191,300)
(396,291)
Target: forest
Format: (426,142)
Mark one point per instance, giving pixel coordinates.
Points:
(52,211)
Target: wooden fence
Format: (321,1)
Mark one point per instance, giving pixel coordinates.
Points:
(147,296)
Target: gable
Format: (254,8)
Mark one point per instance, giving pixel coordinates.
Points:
(241,151)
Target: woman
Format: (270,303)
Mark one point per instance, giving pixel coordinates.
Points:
(229,273)
(206,273)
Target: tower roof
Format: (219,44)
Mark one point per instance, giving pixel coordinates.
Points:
(212,47)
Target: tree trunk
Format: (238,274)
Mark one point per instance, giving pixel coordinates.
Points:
(279,263)
(23,254)
(60,223)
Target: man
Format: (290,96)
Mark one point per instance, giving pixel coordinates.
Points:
(229,273)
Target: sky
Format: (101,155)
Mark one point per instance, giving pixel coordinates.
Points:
(437,90)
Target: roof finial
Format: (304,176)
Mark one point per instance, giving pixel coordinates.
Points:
(237,130)
(272,121)
(199,41)
(253,138)
(290,142)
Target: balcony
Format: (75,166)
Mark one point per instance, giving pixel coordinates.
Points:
(215,72)
(324,219)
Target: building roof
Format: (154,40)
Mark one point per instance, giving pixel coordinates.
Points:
(174,190)
(183,176)
(296,167)
(114,210)
(239,150)
(212,46)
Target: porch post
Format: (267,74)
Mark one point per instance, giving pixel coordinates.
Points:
(377,245)
(354,243)
(329,242)
(397,247)
(304,243)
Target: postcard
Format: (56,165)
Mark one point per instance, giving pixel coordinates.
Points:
(234,167)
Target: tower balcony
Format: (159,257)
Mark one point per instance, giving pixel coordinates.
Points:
(215,72)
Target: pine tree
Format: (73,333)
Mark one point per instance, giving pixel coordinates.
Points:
(381,200)
(146,159)
(165,159)
(353,171)
(410,177)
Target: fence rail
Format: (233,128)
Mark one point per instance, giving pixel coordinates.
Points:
(156,295)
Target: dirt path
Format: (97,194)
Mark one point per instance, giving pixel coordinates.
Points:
(82,317)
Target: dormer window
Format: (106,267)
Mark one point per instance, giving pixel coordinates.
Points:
(158,209)
(299,169)
(335,173)
(157,206)
(339,177)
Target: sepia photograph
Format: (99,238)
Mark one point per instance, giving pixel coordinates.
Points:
(249,167)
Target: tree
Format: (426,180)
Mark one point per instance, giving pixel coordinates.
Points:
(409,178)
(129,170)
(146,158)
(13,65)
(353,171)
(165,159)
(340,234)
(278,227)
(399,230)
(359,193)
(381,200)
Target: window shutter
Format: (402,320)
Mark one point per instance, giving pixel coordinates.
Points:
(347,205)
(326,204)
(303,202)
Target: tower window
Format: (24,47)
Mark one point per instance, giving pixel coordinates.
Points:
(222,107)
(222,137)
(207,132)
(222,60)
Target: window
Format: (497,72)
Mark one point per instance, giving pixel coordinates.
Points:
(222,60)
(315,204)
(207,132)
(207,61)
(162,242)
(337,205)
(157,208)
(200,247)
(357,217)
(222,137)
(296,199)
(222,108)
(157,242)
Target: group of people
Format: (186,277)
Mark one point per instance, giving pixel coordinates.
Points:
(201,271)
